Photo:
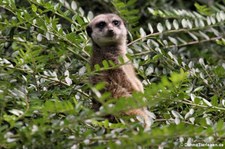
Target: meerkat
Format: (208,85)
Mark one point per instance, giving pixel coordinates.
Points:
(109,36)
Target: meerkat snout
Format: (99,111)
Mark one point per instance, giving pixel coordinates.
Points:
(107,29)
(110,33)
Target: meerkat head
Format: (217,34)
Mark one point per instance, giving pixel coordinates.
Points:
(107,30)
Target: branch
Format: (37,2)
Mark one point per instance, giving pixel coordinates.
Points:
(202,106)
(182,45)
(170,31)
(52,31)
(45,77)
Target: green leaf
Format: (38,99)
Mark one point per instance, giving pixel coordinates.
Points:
(150,28)
(175,24)
(100,86)
(221,42)
(142,32)
(214,100)
(34,8)
(112,64)
(97,67)
(219,71)
(105,64)
(203,9)
(179,77)
(168,25)
(160,27)
(72,37)
(73,5)
(156,57)
(58,106)
(220,125)
(198,89)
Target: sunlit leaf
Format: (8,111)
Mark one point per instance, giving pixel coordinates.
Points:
(150,28)
(73,5)
(160,27)
(168,25)
(175,24)
(142,32)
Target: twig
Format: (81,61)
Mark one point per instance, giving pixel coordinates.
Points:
(170,31)
(182,45)
(202,106)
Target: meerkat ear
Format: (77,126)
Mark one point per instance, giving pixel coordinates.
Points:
(89,30)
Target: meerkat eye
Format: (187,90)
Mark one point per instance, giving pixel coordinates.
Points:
(116,22)
(101,24)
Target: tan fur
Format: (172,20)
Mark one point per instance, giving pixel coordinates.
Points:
(122,81)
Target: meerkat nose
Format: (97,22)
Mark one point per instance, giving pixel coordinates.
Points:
(110,30)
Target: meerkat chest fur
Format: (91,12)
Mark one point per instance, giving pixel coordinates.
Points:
(123,76)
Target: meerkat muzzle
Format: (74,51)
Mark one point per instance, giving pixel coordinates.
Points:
(110,33)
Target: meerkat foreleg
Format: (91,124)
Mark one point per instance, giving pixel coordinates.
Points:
(118,91)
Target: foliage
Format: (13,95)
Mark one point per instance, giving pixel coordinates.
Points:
(46,98)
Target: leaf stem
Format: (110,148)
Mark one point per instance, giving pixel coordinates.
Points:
(202,106)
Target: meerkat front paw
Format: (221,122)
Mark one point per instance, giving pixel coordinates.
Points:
(147,118)
(144,116)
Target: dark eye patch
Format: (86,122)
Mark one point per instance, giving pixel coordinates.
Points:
(101,24)
(116,22)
